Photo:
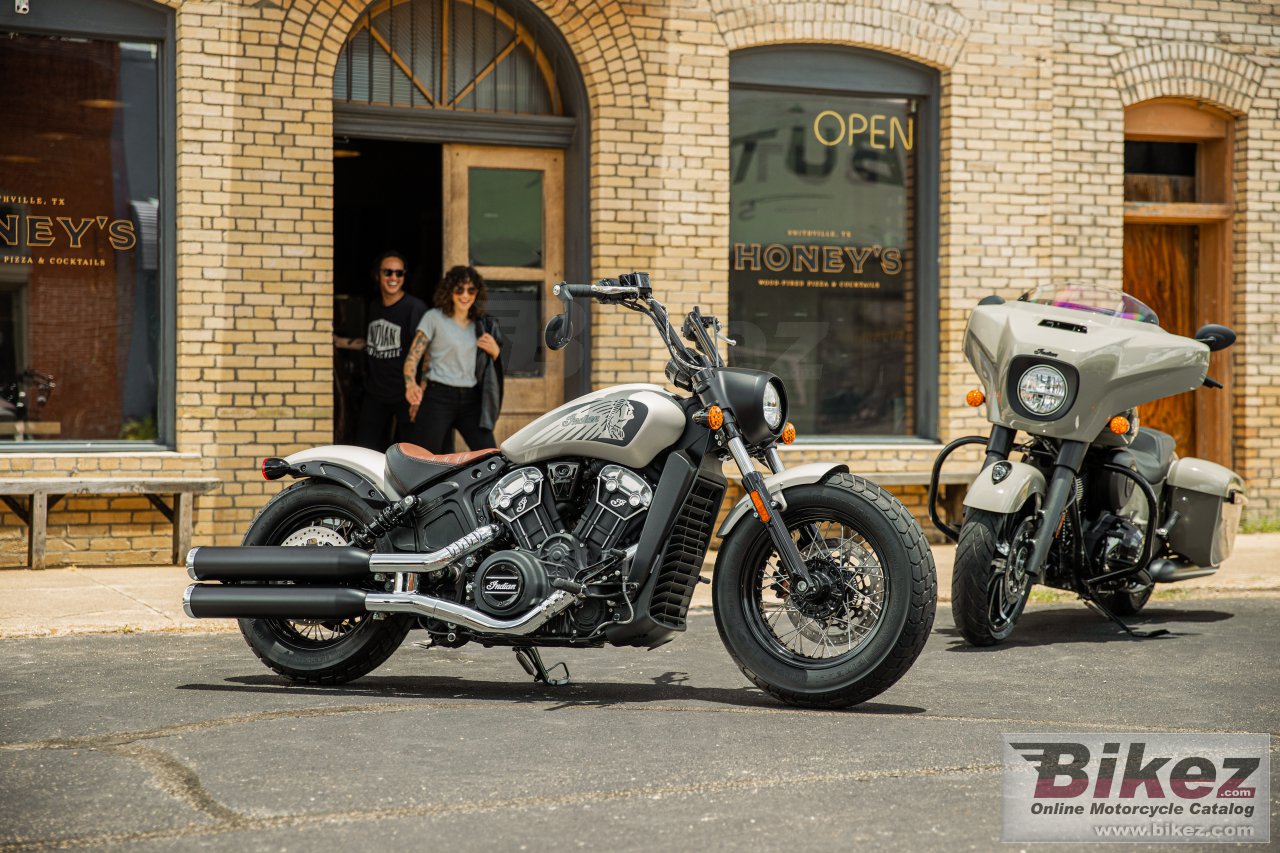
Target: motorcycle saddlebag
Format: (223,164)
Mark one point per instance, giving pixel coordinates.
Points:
(1209,500)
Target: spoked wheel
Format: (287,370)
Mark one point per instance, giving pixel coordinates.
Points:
(857,625)
(319,651)
(990,583)
(822,624)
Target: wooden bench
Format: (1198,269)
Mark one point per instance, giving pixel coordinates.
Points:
(44,493)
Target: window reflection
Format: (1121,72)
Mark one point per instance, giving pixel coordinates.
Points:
(822,278)
(79,239)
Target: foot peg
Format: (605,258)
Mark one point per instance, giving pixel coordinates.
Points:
(531,659)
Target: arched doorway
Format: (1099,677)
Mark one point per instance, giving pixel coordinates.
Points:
(461,138)
(1177,249)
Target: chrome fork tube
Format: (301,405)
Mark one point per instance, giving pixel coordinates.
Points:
(782,541)
(774,458)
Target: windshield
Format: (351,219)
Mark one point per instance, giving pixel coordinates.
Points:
(1092,298)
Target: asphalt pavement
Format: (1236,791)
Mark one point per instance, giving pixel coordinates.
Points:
(173,741)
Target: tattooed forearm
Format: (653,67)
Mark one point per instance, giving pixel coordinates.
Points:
(417,350)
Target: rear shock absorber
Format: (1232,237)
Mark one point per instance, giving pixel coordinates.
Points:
(385,521)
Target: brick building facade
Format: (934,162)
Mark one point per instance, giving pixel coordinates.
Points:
(1031,188)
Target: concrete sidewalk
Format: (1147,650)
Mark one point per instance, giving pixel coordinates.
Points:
(84,600)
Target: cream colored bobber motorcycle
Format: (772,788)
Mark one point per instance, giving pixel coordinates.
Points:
(1094,503)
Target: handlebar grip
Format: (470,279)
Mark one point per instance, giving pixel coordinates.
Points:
(578,291)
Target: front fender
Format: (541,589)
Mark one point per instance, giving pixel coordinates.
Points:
(1010,494)
(801,475)
(362,470)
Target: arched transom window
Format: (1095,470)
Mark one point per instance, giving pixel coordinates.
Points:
(464,55)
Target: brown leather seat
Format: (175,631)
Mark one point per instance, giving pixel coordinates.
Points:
(411,467)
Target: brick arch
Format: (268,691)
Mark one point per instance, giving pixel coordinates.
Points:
(933,34)
(319,30)
(1186,70)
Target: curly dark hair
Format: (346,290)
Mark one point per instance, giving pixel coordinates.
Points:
(462,275)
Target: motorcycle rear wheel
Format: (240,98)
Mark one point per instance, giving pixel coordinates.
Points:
(852,643)
(319,651)
(987,597)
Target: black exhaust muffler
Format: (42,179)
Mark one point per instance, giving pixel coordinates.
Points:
(214,601)
(312,563)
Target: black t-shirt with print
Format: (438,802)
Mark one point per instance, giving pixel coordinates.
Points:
(386,343)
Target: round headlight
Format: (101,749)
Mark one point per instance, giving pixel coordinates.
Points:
(1042,390)
(772,406)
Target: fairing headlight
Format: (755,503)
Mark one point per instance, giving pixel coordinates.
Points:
(1042,390)
(772,406)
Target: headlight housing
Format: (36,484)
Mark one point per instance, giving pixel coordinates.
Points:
(1042,390)
(772,406)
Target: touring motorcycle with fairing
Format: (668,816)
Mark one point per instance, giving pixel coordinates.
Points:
(587,528)
(1096,504)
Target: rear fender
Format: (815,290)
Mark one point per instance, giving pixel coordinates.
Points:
(801,475)
(362,470)
(1008,495)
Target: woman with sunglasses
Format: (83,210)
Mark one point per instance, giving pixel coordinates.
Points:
(393,317)
(463,348)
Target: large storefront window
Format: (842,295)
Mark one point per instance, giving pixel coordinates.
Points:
(81,240)
(825,280)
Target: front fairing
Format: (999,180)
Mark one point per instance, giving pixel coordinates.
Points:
(1111,364)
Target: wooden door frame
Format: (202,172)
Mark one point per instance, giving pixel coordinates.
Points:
(457,160)
(1181,120)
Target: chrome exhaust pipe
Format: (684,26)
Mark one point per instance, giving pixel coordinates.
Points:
(216,601)
(320,564)
(1165,570)
(467,617)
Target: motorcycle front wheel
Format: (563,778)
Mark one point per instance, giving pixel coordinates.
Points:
(863,623)
(989,586)
(319,651)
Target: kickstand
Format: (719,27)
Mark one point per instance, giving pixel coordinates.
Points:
(1142,635)
(531,659)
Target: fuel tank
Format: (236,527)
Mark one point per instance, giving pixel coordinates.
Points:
(626,424)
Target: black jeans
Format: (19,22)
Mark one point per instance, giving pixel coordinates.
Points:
(373,425)
(445,408)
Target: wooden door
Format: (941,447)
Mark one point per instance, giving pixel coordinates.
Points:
(1160,269)
(504,215)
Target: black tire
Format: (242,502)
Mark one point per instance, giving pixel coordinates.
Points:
(1127,603)
(313,651)
(905,585)
(984,610)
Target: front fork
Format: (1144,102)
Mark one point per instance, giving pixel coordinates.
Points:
(1066,468)
(766,508)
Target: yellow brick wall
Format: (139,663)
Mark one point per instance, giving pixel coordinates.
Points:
(1032,159)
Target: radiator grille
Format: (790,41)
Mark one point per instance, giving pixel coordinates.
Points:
(682,559)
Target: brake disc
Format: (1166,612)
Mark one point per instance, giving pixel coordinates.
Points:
(315,535)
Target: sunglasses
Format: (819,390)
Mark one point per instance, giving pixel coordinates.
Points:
(464,288)
(394,273)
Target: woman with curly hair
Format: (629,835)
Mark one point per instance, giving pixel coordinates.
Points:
(463,350)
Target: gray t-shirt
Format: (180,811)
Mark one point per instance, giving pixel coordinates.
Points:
(452,350)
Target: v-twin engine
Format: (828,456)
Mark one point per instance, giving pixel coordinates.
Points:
(522,500)
(525,501)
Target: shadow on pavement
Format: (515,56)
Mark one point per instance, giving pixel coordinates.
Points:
(668,687)
(1043,627)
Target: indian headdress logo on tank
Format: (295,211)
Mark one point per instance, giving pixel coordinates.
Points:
(602,420)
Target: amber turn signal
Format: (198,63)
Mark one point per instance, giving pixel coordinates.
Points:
(760,508)
(975,398)
(788,433)
(1119,425)
(712,417)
